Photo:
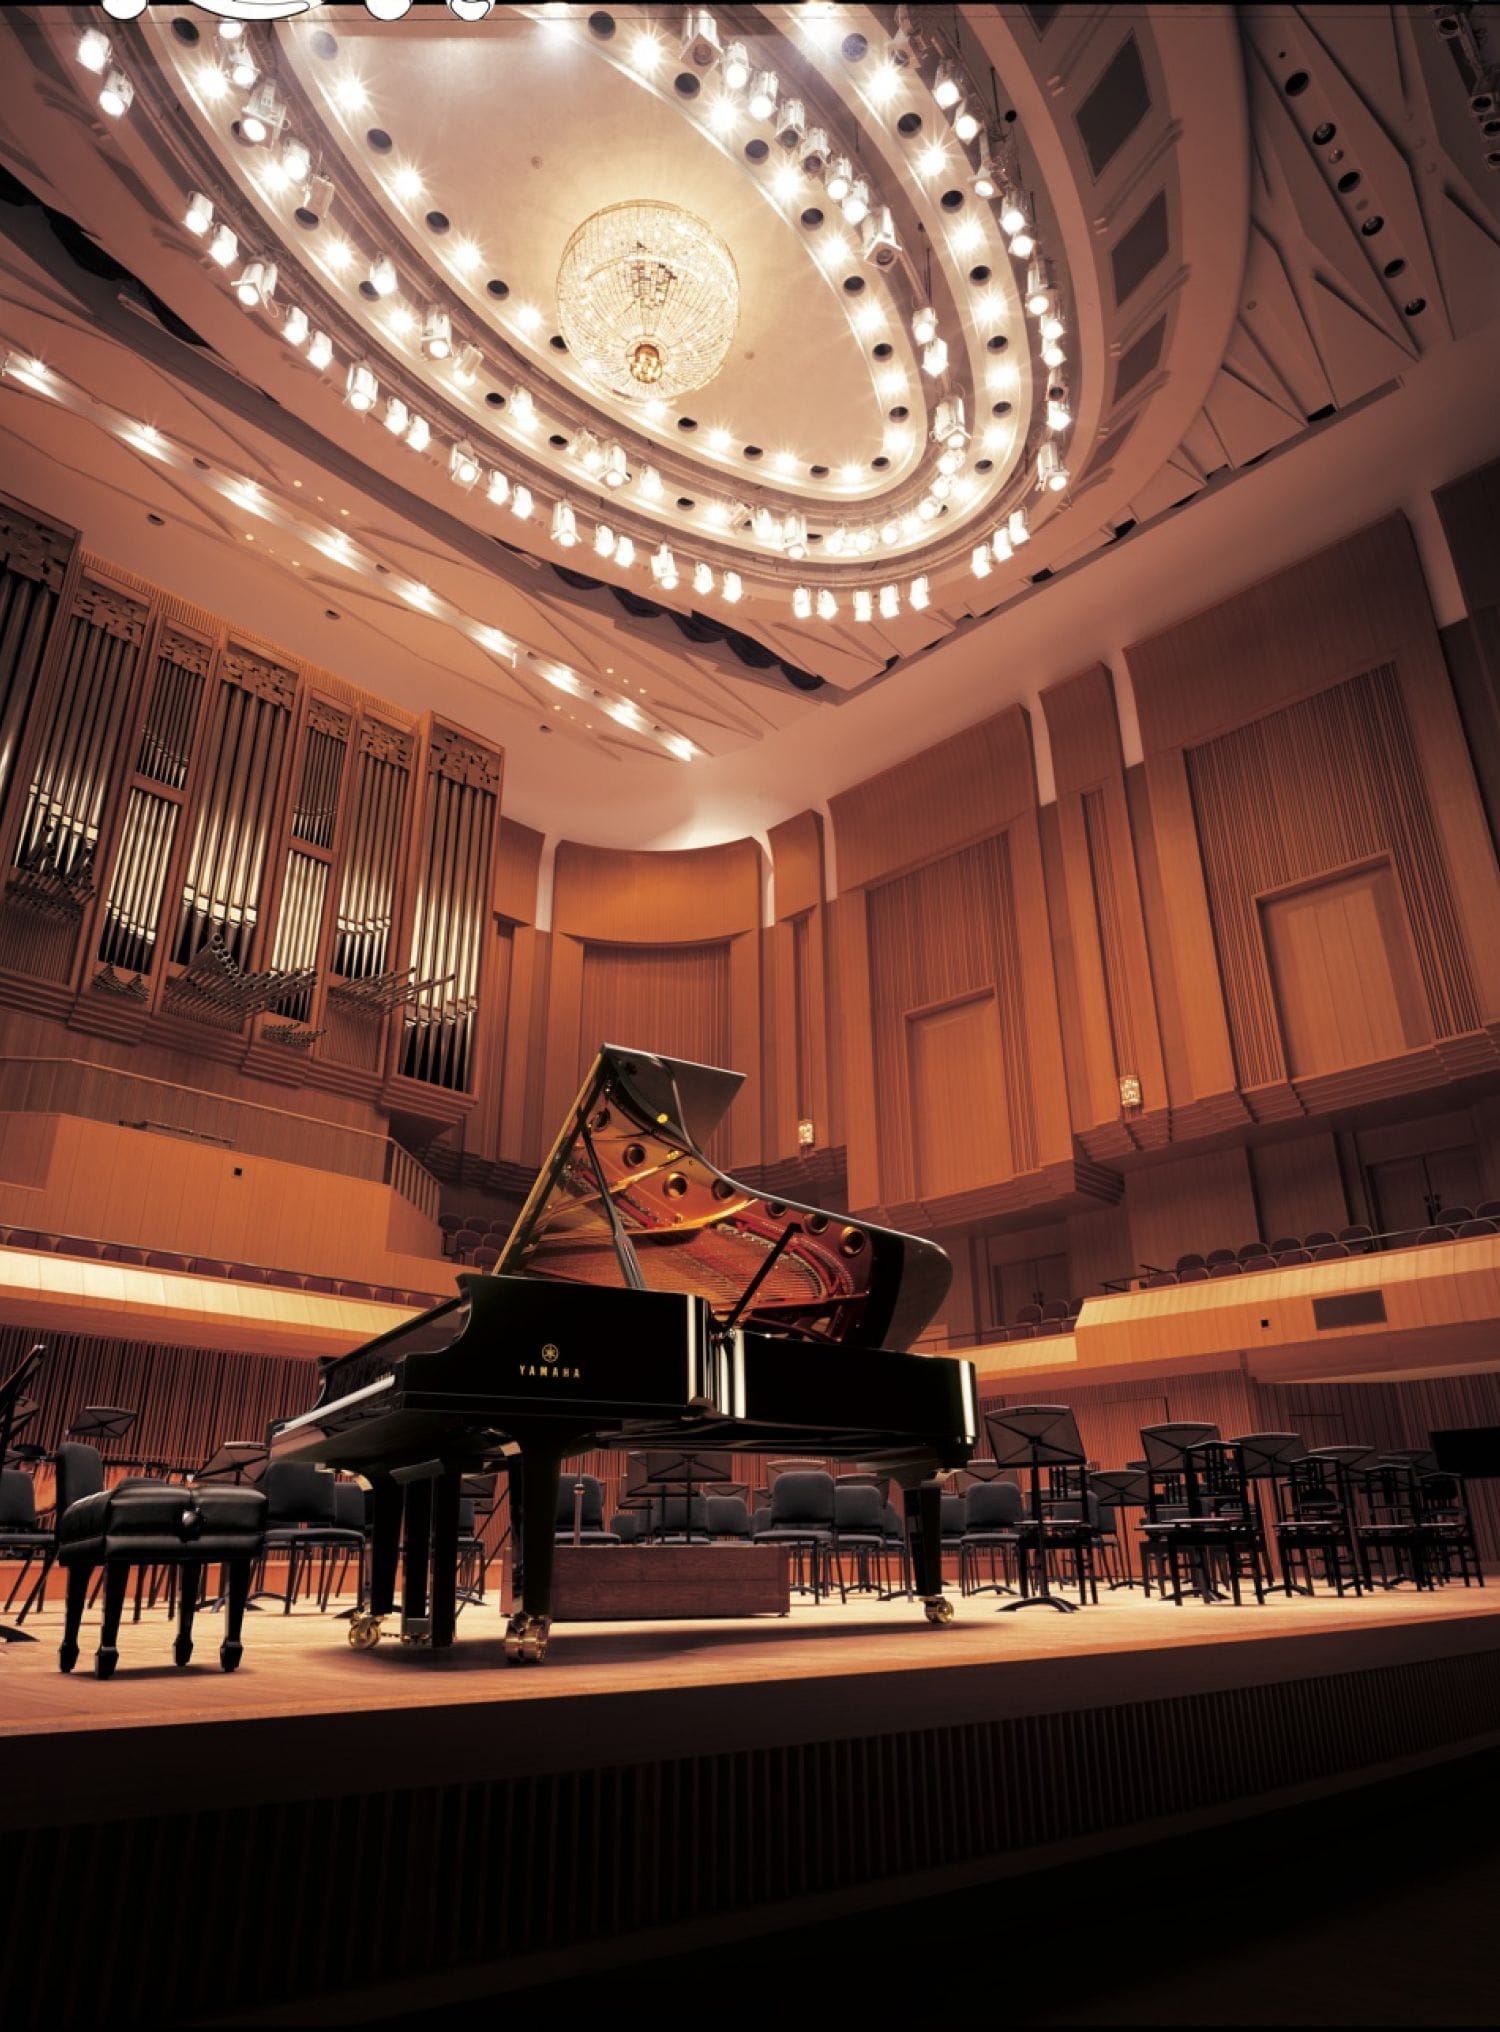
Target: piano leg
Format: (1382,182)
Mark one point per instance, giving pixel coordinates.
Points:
(924,1510)
(385,1554)
(445,1498)
(416,1561)
(527,1631)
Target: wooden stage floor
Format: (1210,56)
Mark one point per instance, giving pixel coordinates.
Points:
(411,1829)
(301,1665)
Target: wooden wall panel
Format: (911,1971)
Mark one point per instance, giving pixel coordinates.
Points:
(1306,792)
(940,937)
(947,796)
(1354,607)
(187,1399)
(1298,1187)
(1470,512)
(1201,1203)
(623,898)
(797,991)
(797,862)
(517,861)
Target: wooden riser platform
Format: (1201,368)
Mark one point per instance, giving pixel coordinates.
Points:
(375,1830)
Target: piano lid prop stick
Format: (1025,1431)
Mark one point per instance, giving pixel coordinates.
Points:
(791,1228)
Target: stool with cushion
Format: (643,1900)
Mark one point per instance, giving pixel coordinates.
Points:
(158,1524)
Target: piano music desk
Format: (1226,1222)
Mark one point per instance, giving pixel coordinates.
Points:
(631,1583)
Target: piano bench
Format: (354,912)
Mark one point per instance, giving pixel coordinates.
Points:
(151,1524)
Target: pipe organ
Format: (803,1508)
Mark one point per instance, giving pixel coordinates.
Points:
(199,830)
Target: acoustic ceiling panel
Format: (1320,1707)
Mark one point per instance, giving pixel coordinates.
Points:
(1115,107)
(1140,247)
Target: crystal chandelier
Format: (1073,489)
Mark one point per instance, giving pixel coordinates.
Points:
(649,298)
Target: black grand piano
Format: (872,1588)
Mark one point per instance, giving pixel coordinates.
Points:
(644,1299)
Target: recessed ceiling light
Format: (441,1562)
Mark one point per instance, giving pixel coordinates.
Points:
(407,182)
(966,236)
(785,462)
(338,254)
(851,474)
(528,317)
(646,53)
(892,381)
(884,83)
(723,115)
(402,322)
(786,180)
(212,83)
(350,93)
(467,257)
(933,160)
(719,440)
(869,317)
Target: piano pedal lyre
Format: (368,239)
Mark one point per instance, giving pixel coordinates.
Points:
(526,1638)
(364,1632)
(938,1608)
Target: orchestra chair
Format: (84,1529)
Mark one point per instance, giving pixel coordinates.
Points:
(1448,1527)
(351,1512)
(994,1522)
(1166,1491)
(859,1527)
(21,1536)
(153,1524)
(627,1526)
(1317,1518)
(580,1511)
(302,1521)
(1394,1545)
(726,1517)
(1221,1529)
(802,1518)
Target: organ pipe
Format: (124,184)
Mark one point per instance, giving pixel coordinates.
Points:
(450,910)
(80,739)
(372,859)
(133,905)
(247,746)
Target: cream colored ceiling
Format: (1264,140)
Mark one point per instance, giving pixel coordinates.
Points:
(1271,301)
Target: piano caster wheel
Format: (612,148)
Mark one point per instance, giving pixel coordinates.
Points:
(230,1655)
(526,1639)
(938,1609)
(67,1657)
(182,1651)
(364,1633)
(105,1661)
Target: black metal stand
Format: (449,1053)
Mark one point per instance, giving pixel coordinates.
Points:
(1034,1436)
(1122,1489)
(665,1473)
(14,1411)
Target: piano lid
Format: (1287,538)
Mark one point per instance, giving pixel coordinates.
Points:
(627,1197)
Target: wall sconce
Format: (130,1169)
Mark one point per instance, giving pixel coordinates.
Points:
(807,1135)
(1130,1090)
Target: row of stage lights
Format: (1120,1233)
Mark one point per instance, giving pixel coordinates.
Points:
(255,288)
(251,498)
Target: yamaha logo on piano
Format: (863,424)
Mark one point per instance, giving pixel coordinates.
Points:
(550,1363)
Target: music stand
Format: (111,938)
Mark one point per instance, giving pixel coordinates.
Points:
(15,1409)
(977,1470)
(1034,1436)
(667,1472)
(236,1461)
(1121,1489)
(97,1422)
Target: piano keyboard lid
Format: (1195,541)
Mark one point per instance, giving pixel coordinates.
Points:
(627,1196)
